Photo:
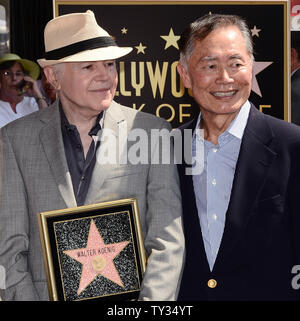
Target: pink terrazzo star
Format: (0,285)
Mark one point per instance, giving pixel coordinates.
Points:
(97,258)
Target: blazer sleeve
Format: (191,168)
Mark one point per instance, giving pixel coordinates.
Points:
(14,227)
(164,241)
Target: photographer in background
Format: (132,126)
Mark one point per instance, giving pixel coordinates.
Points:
(17,79)
(47,89)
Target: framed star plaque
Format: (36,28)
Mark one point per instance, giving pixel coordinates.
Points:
(93,252)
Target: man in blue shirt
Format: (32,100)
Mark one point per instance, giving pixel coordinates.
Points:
(241,214)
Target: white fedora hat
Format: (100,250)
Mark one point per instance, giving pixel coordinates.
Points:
(77,37)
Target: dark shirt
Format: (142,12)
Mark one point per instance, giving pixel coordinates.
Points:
(81,168)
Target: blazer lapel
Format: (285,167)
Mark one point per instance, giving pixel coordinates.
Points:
(296,74)
(194,241)
(114,123)
(256,156)
(51,140)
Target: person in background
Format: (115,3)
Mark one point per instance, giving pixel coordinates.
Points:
(19,92)
(295,76)
(52,159)
(241,205)
(47,90)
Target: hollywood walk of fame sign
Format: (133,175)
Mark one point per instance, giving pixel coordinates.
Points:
(93,252)
(148,80)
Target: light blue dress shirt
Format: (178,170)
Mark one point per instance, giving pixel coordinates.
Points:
(213,185)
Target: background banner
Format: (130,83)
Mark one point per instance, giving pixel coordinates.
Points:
(148,79)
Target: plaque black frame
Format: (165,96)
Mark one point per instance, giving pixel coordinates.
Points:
(53,255)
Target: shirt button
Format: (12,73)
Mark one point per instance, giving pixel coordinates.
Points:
(215,150)
(214,216)
(83,178)
(212,283)
(214,182)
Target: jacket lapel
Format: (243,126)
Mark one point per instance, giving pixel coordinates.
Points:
(114,123)
(51,139)
(256,156)
(192,228)
(296,75)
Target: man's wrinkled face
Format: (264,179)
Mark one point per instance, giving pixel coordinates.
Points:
(88,86)
(219,71)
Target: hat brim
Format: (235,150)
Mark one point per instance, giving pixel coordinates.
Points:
(107,53)
(30,67)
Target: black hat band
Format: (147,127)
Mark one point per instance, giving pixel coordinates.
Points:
(76,47)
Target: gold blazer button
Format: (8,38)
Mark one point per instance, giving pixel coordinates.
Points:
(212,283)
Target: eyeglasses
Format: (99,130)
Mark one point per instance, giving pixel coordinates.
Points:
(18,74)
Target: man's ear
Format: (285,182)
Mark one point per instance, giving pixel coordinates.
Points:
(184,75)
(51,76)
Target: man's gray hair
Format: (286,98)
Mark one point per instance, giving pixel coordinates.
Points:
(202,27)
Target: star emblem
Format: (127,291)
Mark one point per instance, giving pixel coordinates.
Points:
(140,48)
(258,66)
(255,31)
(97,259)
(124,31)
(171,39)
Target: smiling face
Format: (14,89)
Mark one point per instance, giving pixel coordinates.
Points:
(219,71)
(85,87)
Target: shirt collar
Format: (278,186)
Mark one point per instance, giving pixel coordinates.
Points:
(97,126)
(238,124)
(94,130)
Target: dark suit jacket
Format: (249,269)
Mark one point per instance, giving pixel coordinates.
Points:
(295,97)
(261,240)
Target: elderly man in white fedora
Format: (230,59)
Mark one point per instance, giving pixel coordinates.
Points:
(49,160)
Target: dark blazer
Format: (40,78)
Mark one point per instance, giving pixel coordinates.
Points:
(261,240)
(295,97)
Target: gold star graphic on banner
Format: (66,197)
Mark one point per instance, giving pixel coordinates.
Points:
(140,48)
(124,31)
(171,39)
(255,31)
